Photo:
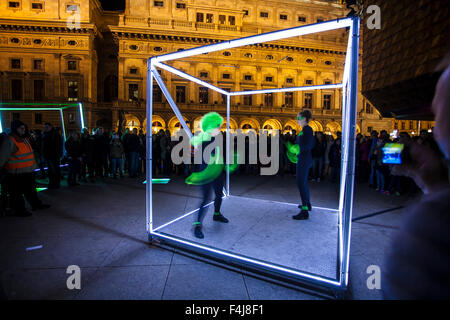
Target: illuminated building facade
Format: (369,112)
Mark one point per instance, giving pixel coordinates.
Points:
(101,61)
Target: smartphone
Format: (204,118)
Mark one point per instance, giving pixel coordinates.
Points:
(392,153)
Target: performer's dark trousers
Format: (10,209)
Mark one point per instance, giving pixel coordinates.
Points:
(217,186)
(20,185)
(302,172)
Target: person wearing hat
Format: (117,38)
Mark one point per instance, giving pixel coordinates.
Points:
(17,159)
(210,176)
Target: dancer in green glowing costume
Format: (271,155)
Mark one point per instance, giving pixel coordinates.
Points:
(211,175)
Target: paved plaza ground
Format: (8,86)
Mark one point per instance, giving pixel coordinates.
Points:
(101,228)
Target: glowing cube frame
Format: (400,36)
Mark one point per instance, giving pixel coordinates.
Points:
(18,106)
(349,104)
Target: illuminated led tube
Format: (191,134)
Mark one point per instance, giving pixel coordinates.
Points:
(321,87)
(253,261)
(265,37)
(189,77)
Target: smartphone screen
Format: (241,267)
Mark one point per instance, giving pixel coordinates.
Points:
(392,153)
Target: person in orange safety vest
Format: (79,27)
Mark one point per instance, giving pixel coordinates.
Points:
(18,161)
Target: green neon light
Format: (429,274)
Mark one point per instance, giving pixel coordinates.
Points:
(41,189)
(63,107)
(38,104)
(209,174)
(158,181)
(30,109)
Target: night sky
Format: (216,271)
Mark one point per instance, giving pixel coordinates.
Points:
(113,4)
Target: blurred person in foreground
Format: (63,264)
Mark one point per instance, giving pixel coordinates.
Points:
(418,262)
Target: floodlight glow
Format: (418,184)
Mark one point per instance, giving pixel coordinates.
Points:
(264,37)
(290,89)
(349,107)
(189,77)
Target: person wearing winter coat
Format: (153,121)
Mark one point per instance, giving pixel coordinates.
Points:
(116,153)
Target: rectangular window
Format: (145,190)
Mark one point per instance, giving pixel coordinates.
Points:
(222,19)
(38,90)
(72,65)
(248,77)
(403,125)
(158,3)
(14,4)
(264,14)
(411,126)
(319,20)
(289,99)
(268,99)
(203,95)
(72,91)
(248,100)
(133,92)
(283,17)
(301,19)
(133,71)
(308,100)
(327,101)
(38,118)
(232,20)
(309,81)
(203,74)
(16,89)
(209,18)
(157,93)
(369,129)
(289,80)
(327,82)
(369,109)
(396,125)
(200,17)
(269,79)
(181,5)
(181,94)
(15,64)
(38,64)
(37,6)
(245,12)
(226,76)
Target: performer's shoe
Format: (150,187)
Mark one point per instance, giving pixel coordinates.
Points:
(309,206)
(198,232)
(303,215)
(219,217)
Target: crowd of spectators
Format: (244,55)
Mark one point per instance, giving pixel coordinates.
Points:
(103,154)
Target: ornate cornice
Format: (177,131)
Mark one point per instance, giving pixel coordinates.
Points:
(121,35)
